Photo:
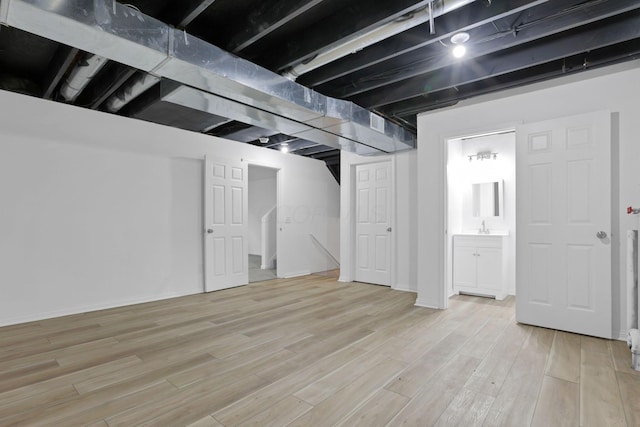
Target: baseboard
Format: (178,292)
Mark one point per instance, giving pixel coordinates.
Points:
(344,278)
(622,336)
(89,308)
(427,303)
(296,274)
(404,288)
(269,265)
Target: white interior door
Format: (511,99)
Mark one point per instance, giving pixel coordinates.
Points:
(226,224)
(373,223)
(563,262)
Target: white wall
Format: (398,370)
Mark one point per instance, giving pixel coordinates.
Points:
(462,173)
(100,211)
(262,197)
(614,88)
(404,221)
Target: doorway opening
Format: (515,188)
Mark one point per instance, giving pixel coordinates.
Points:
(481,215)
(263,222)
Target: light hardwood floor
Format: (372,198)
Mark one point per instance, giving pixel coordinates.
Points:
(310,352)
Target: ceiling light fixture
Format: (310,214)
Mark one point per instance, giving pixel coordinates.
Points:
(263,139)
(459,39)
(284,147)
(459,51)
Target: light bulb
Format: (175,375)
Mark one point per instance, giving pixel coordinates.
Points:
(459,51)
(284,148)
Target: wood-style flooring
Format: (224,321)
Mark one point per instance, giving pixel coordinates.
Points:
(310,352)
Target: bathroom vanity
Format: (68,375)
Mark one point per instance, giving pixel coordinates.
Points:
(478,265)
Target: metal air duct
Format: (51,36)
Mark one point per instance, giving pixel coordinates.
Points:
(137,84)
(81,75)
(214,79)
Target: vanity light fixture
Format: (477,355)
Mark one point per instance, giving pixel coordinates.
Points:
(483,155)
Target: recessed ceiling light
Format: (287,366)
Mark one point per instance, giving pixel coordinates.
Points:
(284,147)
(263,139)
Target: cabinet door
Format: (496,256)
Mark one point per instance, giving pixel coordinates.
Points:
(489,268)
(464,267)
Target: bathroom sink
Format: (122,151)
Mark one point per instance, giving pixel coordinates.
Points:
(490,233)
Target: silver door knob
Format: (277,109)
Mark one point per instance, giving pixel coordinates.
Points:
(389,229)
(209,231)
(601,235)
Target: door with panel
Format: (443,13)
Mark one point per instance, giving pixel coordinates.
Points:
(373,223)
(226,224)
(563,258)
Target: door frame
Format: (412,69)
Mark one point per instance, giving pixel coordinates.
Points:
(447,254)
(448,237)
(278,192)
(348,266)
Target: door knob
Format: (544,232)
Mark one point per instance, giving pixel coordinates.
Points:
(389,229)
(601,235)
(209,231)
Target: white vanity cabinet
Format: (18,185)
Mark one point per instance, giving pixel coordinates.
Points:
(478,265)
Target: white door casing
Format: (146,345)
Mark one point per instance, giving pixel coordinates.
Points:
(373,223)
(563,261)
(226,224)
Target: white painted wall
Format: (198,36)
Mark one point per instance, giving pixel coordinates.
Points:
(461,174)
(404,221)
(100,211)
(262,197)
(614,88)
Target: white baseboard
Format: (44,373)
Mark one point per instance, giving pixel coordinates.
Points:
(427,303)
(344,278)
(269,265)
(34,317)
(404,288)
(296,274)
(622,336)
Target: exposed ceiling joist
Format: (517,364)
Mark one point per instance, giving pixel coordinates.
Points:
(314,151)
(119,74)
(362,16)
(473,16)
(267,18)
(61,61)
(598,58)
(580,40)
(539,24)
(187,10)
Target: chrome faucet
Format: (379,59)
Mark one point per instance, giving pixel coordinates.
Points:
(483,230)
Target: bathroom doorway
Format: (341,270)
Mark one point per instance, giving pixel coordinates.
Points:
(263,222)
(481,214)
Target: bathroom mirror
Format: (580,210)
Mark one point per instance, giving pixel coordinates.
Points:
(486,199)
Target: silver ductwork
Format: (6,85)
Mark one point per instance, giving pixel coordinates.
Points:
(212,79)
(81,75)
(135,87)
